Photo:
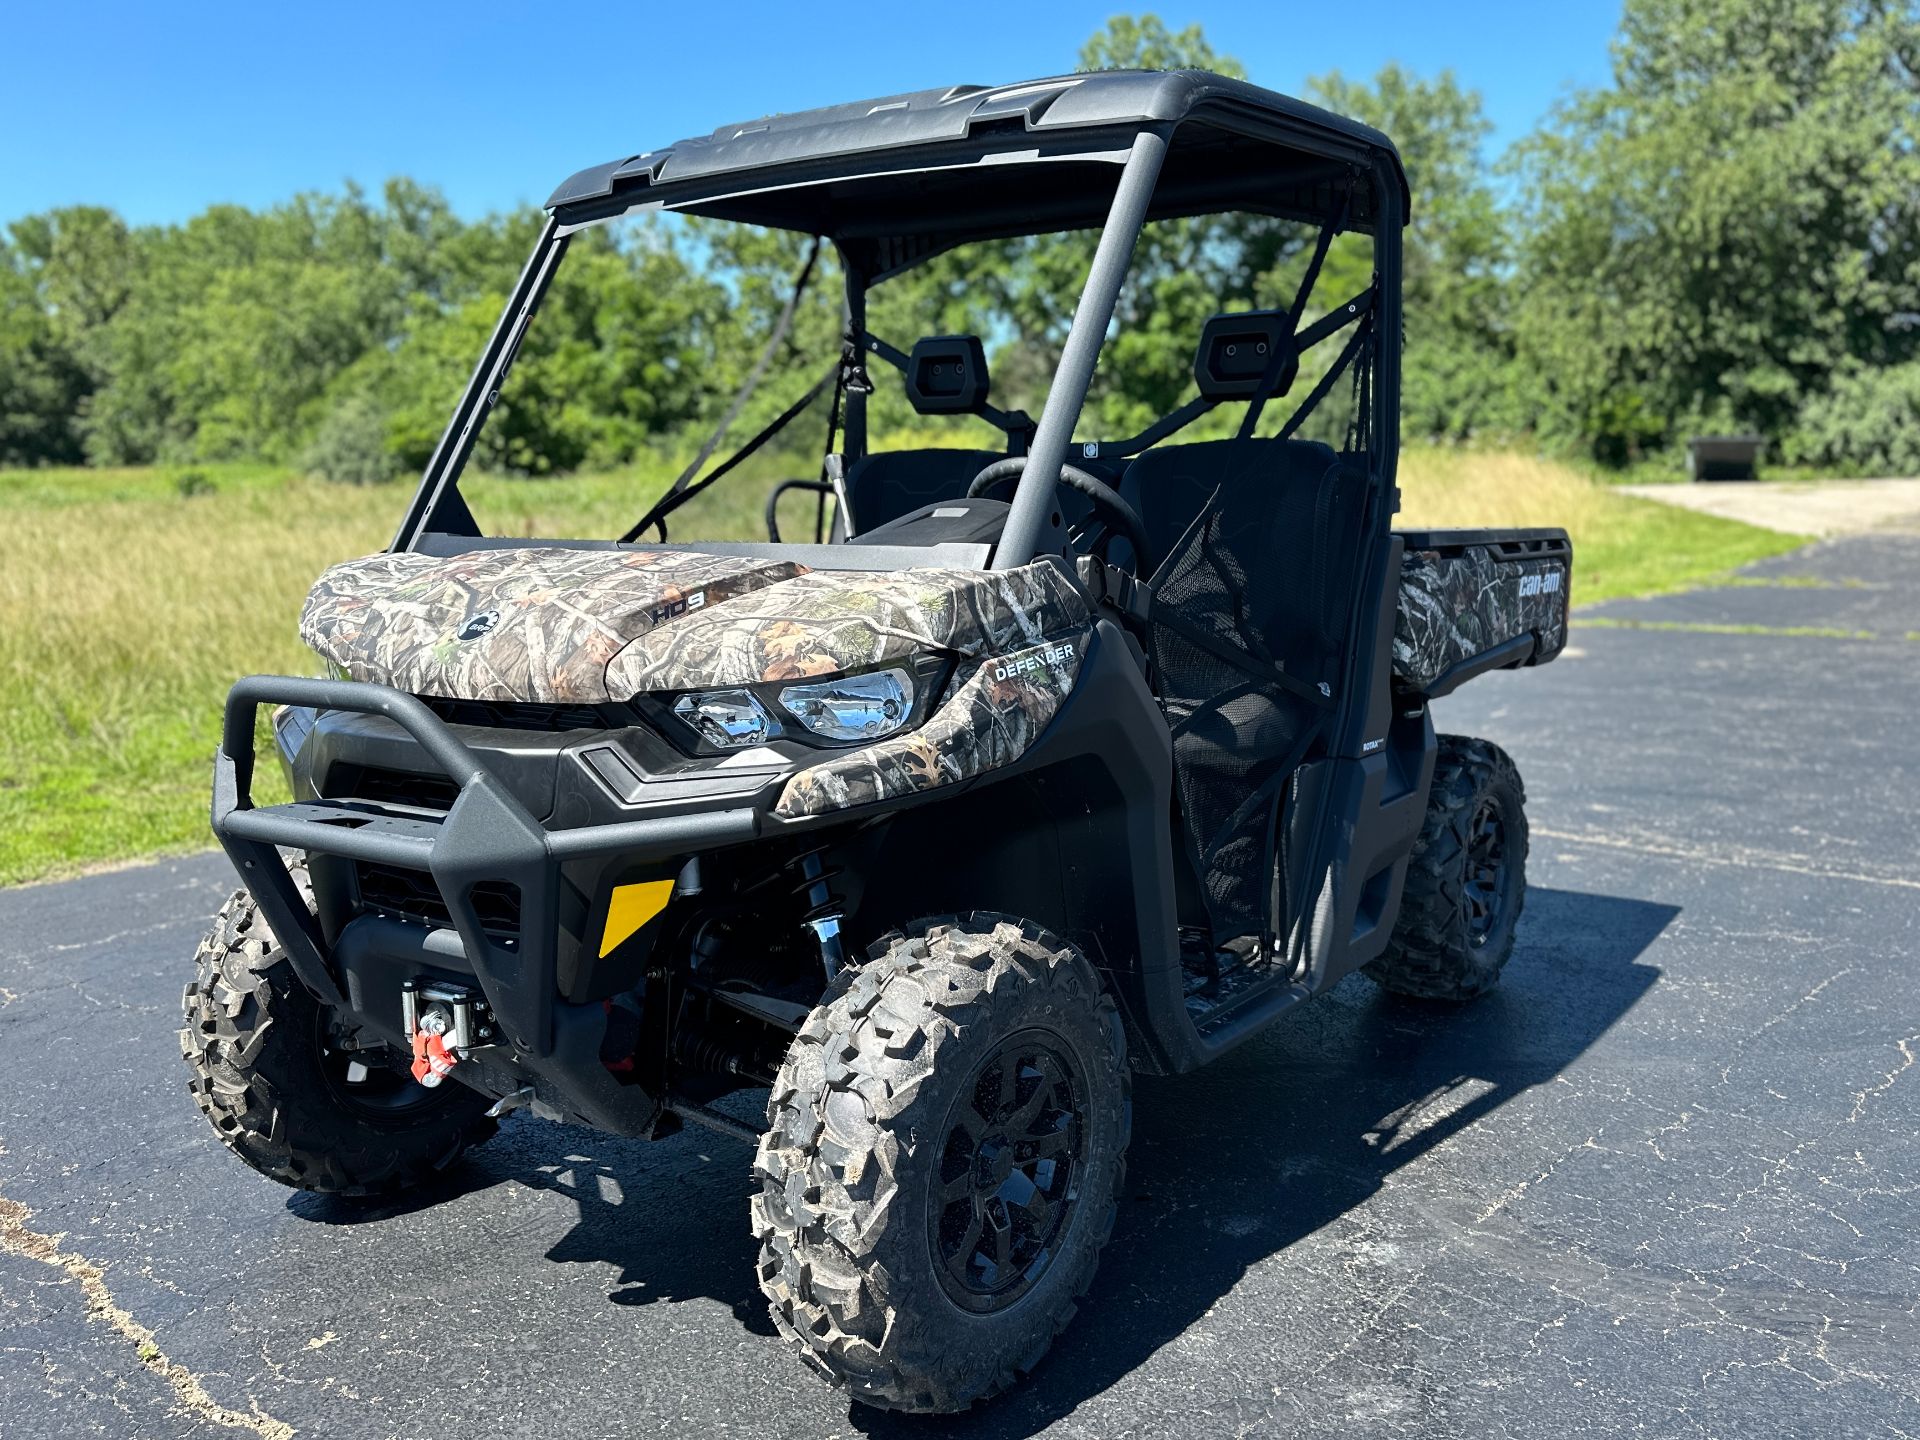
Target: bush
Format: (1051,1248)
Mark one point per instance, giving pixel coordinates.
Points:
(350,447)
(1867,423)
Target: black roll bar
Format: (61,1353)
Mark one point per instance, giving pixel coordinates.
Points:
(1033,500)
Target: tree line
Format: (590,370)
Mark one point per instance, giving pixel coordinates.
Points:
(1725,237)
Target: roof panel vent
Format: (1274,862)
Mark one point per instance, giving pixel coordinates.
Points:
(1015,124)
(1022,103)
(643,169)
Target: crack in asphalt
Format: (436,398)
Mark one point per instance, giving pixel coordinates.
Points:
(1737,858)
(1514,1192)
(1864,1097)
(18,1238)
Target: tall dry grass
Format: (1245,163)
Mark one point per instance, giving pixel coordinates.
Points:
(118,623)
(1449,489)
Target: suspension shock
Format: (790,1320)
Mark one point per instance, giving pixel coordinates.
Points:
(823,914)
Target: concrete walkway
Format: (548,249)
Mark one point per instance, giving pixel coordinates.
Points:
(1823,508)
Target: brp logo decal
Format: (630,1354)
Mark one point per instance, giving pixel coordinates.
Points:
(479,625)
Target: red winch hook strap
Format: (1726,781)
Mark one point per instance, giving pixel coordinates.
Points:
(431,1057)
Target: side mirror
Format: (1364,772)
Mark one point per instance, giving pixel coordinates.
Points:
(947,375)
(1235,351)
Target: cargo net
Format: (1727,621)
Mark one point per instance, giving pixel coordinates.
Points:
(1247,627)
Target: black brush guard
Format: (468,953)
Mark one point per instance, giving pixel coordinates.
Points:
(487,836)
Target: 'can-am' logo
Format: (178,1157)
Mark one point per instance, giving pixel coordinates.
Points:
(479,625)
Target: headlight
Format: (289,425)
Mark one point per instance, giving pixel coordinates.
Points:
(726,719)
(852,707)
(832,710)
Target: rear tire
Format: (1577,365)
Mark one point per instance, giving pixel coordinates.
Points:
(944,1152)
(1467,880)
(282,1097)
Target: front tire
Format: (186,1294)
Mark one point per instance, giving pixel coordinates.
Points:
(945,1147)
(1467,880)
(267,1074)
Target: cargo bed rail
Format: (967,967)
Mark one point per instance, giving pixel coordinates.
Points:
(1471,601)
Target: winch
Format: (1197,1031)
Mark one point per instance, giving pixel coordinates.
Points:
(442,1023)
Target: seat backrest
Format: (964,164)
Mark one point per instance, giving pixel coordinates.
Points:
(1256,543)
(893,483)
(1170,484)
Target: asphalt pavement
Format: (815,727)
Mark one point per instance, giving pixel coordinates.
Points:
(1665,1181)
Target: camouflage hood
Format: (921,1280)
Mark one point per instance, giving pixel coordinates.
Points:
(827,621)
(536,624)
(548,624)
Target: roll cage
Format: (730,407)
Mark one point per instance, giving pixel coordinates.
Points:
(892,183)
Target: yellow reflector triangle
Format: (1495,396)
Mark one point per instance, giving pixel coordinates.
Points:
(632,906)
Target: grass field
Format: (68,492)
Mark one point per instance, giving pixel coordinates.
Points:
(131,599)
(1621,545)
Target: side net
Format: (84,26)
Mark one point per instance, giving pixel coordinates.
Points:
(1246,635)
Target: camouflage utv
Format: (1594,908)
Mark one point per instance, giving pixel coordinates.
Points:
(1037,766)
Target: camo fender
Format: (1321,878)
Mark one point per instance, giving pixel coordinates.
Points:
(994,711)
(528,624)
(1454,606)
(828,621)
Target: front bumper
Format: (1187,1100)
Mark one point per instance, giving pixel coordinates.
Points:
(487,837)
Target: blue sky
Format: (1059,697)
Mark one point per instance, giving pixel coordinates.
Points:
(159,111)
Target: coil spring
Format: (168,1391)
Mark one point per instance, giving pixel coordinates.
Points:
(812,884)
(823,914)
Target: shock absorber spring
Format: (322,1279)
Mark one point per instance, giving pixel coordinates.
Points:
(823,914)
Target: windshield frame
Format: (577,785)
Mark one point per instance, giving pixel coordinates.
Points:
(438,508)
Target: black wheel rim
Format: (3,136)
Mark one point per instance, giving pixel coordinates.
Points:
(1484,896)
(1008,1177)
(372,1083)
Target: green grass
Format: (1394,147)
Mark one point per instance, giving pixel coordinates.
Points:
(1654,549)
(131,599)
(1791,582)
(1672,470)
(1719,627)
(127,611)
(1622,545)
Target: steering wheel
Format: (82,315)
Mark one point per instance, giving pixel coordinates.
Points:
(1113,509)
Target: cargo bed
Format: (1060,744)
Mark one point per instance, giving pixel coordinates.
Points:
(1478,600)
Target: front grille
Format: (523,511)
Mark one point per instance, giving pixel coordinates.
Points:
(391,787)
(527,715)
(411,895)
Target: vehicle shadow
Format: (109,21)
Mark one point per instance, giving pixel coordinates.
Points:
(1228,1166)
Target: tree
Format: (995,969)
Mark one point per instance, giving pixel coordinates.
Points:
(1729,226)
(1460,375)
(1183,270)
(617,357)
(1143,42)
(63,277)
(1460,379)
(41,381)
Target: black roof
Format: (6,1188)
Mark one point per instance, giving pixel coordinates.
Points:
(794,170)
